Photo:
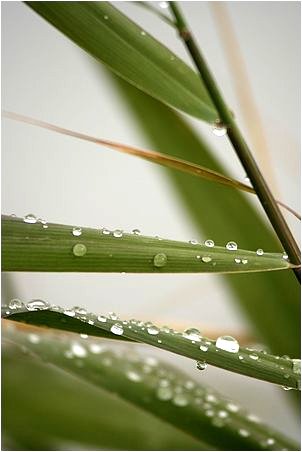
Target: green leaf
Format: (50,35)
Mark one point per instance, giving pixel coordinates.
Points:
(245,361)
(271,301)
(112,38)
(28,246)
(91,418)
(156,387)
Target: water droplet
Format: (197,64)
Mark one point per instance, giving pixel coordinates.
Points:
(37,305)
(180,400)
(201,365)
(206,259)
(247,180)
(76,231)
(15,304)
(270,441)
(241,357)
(232,407)
(117,329)
(134,376)
(244,261)
(151,361)
(112,315)
(243,432)
(164,393)
(143,33)
(96,348)
(78,350)
(136,231)
(80,311)
(287,388)
(30,218)
(238,261)
(33,338)
(231,246)
(211,398)
(84,336)
(193,242)
(160,260)
(254,356)
(219,129)
(153,330)
(69,312)
(192,334)
(285,256)
(260,252)
(204,348)
(253,418)
(105,231)
(227,343)
(209,243)
(223,414)
(163,5)
(117,233)
(209,413)
(79,250)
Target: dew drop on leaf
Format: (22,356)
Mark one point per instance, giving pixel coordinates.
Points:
(209,243)
(160,260)
(153,330)
(117,329)
(260,252)
(231,246)
(227,343)
(219,128)
(79,250)
(201,365)
(37,305)
(15,304)
(30,218)
(193,334)
(76,231)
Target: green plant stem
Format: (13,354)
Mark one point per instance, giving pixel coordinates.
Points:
(240,146)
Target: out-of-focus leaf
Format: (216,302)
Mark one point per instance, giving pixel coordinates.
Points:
(157,388)
(110,37)
(270,301)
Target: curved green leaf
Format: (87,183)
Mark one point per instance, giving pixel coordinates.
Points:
(245,361)
(130,52)
(28,246)
(158,388)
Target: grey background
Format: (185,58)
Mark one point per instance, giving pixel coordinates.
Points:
(58,178)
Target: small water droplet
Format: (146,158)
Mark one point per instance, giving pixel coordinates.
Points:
(243,432)
(247,180)
(84,336)
(209,413)
(270,441)
(15,304)
(232,407)
(253,418)
(105,231)
(163,5)
(287,388)
(228,344)
(96,348)
(193,334)
(134,376)
(136,231)
(160,260)
(204,348)
(117,233)
(80,311)
(164,393)
(112,315)
(209,243)
(237,260)
(78,350)
(254,356)
(37,305)
(244,261)
(69,312)
(211,398)
(193,242)
(117,329)
(143,33)
(285,256)
(231,246)
(219,129)
(241,357)
(30,218)
(180,400)
(206,259)
(79,250)
(153,330)
(260,252)
(34,338)
(76,231)
(201,365)
(223,414)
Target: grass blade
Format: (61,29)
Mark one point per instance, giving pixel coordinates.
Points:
(112,38)
(245,361)
(29,246)
(151,156)
(127,377)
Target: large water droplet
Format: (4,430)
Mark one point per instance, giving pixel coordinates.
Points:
(227,343)
(37,305)
(193,334)
(231,246)
(15,304)
(76,231)
(160,260)
(117,233)
(219,129)
(30,218)
(78,350)
(79,250)
(209,243)
(260,252)
(117,329)
(201,365)
(153,330)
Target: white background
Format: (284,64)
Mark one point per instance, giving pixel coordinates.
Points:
(58,178)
